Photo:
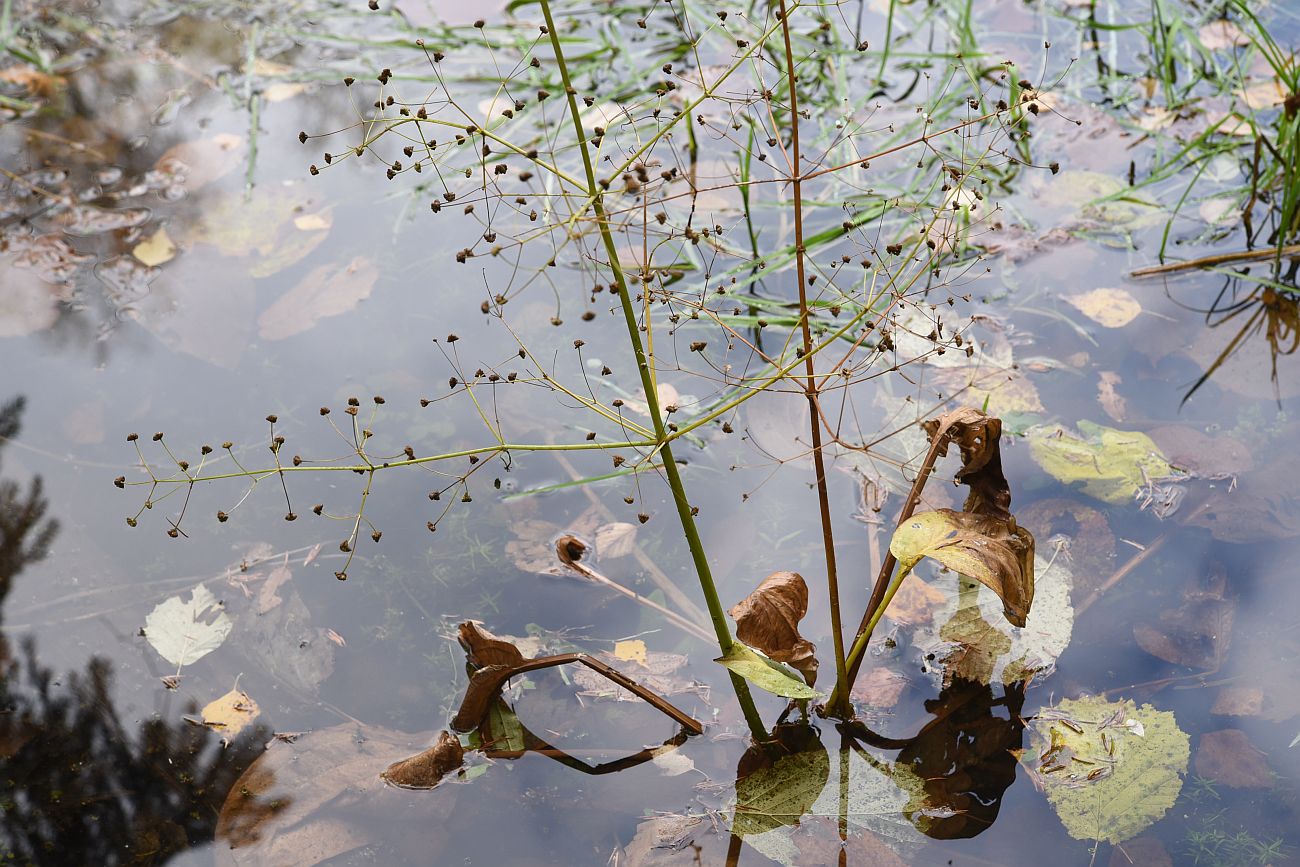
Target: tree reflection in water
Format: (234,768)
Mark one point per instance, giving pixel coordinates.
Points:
(77,784)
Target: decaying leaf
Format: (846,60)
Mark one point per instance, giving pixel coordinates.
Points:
(230,714)
(326,291)
(1081,534)
(1264,505)
(879,688)
(915,603)
(1197,634)
(658,672)
(426,769)
(1112,402)
(768,619)
(195,164)
(482,648)
(1002,391)
(765,673)
(1111,465)
(1109,769)
(285,642)
(997,553)
(261,227)
(1239,701)
(1228,757)
(320,796)
(184,632)
(498,661)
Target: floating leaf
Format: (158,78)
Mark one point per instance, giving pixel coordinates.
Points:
(484,649)
(768,619)
(1113,308)
(155,250)
(995,552)
(326,291)
(764,673)
(1107,781)
(1111,465)
(230,714)
(426,769)
(184,632)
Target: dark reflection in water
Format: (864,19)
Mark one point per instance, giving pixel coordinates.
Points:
(78,785)
(1261,321)
(964,756)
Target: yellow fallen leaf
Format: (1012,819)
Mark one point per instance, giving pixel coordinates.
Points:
(632,651)
(1222,35)
(1113,308)
(315,222)
(156,249)
(230,714)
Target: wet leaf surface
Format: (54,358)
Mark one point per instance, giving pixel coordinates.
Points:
(768,620)
(230,714)
(1109,769)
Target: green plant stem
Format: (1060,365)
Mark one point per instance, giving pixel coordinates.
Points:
(716,613)
(810,369)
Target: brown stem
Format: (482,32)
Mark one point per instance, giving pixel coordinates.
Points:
(810,369)
(1217,259)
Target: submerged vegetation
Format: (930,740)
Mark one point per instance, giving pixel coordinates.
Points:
(678,249)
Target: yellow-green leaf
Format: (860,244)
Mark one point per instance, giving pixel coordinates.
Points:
(764,673)
(1111,465)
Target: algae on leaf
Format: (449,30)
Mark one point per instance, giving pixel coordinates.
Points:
(1109,769)
(1112,465)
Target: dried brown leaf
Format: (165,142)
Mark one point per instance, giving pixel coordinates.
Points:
(425,770)
(484,649)
(768,619)
(1228,757)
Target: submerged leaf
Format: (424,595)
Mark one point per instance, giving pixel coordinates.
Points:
(1112,465)
(157,249)
(765,673)
(426,769)
(768,619)
(1112,308)
(184,632)
(327,291)
(1228,757)
(995,552)
(1109,769)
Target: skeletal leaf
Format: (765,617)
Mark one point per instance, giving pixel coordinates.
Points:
(1109,769)
(184,632)
(995,552)
(426,769)
(230,714)
(1111,465)
(765,673)
(768,619)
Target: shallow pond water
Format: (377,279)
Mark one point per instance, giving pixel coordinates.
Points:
(169,264)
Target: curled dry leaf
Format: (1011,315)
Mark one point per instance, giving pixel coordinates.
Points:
(768,619)
(978,436)
(484,649)
(425,770)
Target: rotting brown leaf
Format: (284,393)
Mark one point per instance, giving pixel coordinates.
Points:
(768,619)
(426,769)
(484,649)
(1228,757)
(978,436)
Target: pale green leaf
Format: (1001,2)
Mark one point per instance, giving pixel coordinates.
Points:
(1111,465)
(184,632)
(764,673)
(1109,769)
